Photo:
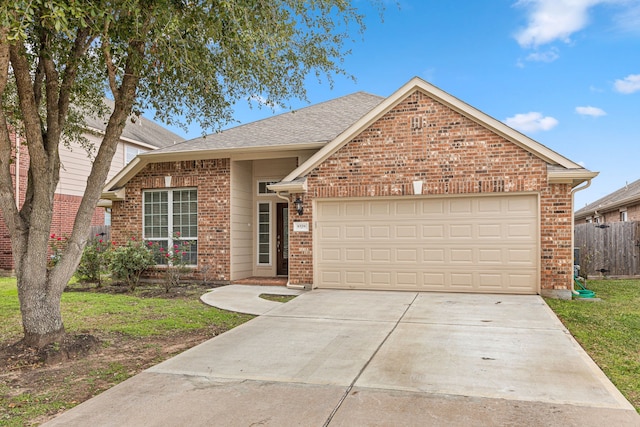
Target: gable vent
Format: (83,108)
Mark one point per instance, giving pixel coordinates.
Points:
(416,122)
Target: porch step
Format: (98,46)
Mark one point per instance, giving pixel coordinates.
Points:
(262,281)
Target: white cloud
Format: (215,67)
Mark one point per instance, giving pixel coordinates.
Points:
(547,56)
(629,84)
(551,20)
(591,111)
(531,122)
(629,20)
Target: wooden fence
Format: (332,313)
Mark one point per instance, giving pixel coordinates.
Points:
(100,232)
(609,249)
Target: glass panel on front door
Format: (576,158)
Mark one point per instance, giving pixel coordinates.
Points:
(282,264)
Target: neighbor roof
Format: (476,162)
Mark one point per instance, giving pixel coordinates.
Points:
(629,194)
(138,129)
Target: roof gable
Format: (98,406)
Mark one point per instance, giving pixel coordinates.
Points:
(528,144)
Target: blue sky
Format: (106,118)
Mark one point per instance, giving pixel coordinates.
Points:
(564,72)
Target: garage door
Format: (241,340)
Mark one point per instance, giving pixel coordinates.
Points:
(470,244)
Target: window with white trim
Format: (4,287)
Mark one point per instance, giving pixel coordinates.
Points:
(170,218)
(623,216)
(264,233)
(130,153)
(262,187)
(107,216)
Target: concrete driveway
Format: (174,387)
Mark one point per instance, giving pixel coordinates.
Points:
(359,358)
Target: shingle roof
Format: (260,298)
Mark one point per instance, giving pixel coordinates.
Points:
(627,194)
(143,130)
(317,123)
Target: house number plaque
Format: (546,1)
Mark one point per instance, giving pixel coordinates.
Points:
(301,226)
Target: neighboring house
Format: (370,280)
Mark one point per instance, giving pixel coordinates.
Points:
(417,191)
(621,205)
(138,137)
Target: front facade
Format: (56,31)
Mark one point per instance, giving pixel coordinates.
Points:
(417,191)
(620,206)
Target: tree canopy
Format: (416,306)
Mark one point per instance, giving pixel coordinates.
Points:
(185,59)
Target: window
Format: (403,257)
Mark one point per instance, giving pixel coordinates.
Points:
(623,215)
(107,216)
(264,233)
(171,217)
(262,187)
(130,153)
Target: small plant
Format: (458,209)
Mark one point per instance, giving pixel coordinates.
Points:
(94,261)
(175,258)
(56,247)
(127,262)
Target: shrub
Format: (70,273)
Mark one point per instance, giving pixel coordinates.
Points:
(129,261)
(175,258)
(94,261)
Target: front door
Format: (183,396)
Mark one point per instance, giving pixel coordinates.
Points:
(282,239)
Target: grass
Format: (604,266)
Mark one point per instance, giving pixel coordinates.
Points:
(277,298)
(90,312)
(140,325)
(609,331)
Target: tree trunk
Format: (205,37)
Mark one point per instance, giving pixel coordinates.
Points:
(41,317)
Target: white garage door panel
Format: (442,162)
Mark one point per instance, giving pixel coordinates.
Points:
(476,244)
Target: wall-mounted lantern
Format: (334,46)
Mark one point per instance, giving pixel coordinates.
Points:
(298,204)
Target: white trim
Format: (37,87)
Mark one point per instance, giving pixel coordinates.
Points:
(125,139)
(258,263)
(242,153)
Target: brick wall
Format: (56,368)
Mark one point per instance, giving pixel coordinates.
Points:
(451,155)
(633,214)
(212,179)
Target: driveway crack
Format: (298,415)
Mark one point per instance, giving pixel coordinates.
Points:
(350,387)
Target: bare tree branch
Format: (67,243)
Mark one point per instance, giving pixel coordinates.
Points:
(28,106)
(80,46)
(111,69)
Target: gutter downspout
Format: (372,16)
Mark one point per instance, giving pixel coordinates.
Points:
(586,185)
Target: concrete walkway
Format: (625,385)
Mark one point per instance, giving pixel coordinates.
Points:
(359,358)
(246,298)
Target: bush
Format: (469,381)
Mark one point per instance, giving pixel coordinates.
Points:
(94,261)
(175,260)
(129,261)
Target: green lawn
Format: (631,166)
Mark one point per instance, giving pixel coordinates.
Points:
(90,312)
(609,331)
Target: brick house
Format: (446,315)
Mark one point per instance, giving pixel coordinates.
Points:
(621,205)
(417,191)
(137,137)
